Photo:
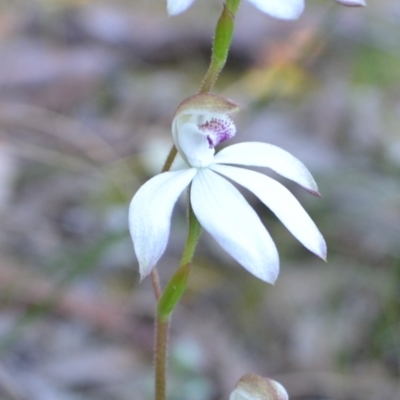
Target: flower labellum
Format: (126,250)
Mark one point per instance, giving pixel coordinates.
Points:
(282,9)
(255,387)
(202,122)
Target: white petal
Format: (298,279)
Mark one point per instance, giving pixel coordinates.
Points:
(226,215)
(150,215)
(282,203)
(283,9)
(175,7)
(259,154)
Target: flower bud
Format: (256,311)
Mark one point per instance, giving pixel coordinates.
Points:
(255,387)
(352,3)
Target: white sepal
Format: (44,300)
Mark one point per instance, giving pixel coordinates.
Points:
(150,215)
(226,215)
(282,203)
(258,154)
(175,7)
(282,9)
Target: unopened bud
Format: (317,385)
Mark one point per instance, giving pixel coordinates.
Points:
(255,387)
(352,3)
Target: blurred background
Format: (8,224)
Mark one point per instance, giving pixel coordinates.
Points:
(87,94)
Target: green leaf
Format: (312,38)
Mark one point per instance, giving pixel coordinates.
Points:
(173,292)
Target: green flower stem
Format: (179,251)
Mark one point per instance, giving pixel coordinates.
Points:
(169,298)
(177,284)
(220,49)
(222,42)
(193,235)
(167,302)
(233,5)
(160,356)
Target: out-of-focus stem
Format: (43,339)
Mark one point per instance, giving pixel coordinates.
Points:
(155,281)
(170,159)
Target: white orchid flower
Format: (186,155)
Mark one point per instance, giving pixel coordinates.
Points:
(282,9)
(201,123)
